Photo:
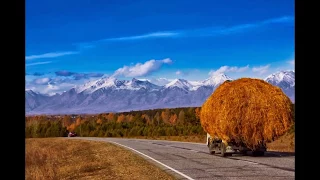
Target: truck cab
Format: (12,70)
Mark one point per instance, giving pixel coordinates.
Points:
(217,145)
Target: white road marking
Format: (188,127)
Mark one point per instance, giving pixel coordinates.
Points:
(249,162)
(176,171)
(193,150)
(170,141)
(180,142)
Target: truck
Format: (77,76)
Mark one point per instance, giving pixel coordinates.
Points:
(216,145)
(72,134)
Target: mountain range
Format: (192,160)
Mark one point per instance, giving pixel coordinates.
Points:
(109,94)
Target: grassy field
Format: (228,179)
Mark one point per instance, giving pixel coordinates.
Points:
(57,158)
(282,144)
(285,143)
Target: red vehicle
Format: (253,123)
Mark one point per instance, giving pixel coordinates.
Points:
(72,134)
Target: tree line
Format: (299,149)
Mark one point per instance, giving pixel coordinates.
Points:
(151,123)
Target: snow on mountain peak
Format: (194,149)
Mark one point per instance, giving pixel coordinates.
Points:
(282,76)
(30,92)
(111,82)
(136,84)
(92,86)
(180,83)
(216,79)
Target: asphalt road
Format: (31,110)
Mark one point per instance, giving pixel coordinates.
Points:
(193,161)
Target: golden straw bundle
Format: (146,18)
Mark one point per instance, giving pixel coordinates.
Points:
(247,110)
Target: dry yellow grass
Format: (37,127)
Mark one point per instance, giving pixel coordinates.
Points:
(285,143)
(59,158)
(247,110)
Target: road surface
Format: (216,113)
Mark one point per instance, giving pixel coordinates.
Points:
(193,161)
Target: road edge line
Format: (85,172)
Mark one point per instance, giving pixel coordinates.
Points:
(176,171)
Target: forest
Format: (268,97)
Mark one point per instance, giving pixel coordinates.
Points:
(149,123)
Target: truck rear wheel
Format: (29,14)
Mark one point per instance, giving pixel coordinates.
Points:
(244,152)
(223,149)
(212,152)
(258,153)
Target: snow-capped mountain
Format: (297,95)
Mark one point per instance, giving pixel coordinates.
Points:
(216,79)
(180,83)
(34,99)
(285,80)
(110,94)
(138,84)
(111,82)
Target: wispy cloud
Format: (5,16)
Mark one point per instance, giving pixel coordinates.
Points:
(41,81)
(140,69)
(144,36)
(209,31)
(36,74)
(291,62)
(182,73)
(64,73)
(225,69)
(160,81)
(50,55)
(78,76)
(261,69)
(38,63)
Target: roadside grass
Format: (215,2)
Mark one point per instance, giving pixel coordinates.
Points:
(285,143)
(60,158)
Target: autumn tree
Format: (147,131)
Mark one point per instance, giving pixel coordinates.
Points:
(165,115)
(181,117)
(173,119)
(197,112)
(99,121)
(129,117)
(71,127)
(147,118)
(78,121)
(121,118)
(157,118)
(67,121)
(110,117)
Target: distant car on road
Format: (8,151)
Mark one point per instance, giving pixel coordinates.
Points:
(72,134)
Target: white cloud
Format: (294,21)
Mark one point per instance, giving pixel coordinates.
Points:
(38,63)
(201,32)
(50,88)
(144,36)
(141,69)
(291,62)
(160,81)
(50,55)
(42,81)
(167,61)
(225,69)
(178,72)
(261,69)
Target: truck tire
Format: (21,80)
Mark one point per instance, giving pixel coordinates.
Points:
(244,153)
(258,153)
(223,149)
(211,152)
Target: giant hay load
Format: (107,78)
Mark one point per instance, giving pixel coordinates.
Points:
(247,110)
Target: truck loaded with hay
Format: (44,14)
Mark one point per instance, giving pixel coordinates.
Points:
(243,115)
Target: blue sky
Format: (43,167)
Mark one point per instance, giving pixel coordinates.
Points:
(71,42)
